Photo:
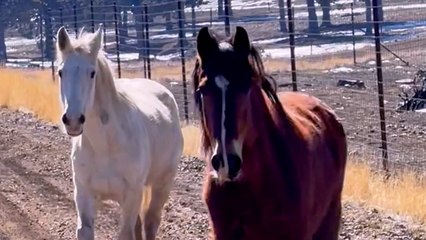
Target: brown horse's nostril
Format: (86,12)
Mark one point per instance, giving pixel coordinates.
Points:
(82,119)
(65,119)
(234,163)
(217,161)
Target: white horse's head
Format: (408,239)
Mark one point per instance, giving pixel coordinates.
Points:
(77,71)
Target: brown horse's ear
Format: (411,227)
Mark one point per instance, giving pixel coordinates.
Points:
(206,43)
(241,41)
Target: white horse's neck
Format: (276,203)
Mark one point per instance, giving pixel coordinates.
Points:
(102,118)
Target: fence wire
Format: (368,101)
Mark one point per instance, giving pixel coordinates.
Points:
(334,48)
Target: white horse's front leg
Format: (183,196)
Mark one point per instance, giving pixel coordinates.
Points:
(130,208)
(86,211)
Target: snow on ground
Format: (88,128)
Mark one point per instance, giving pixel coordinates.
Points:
(242,4)
(404,31)
(341,70)
(303,51)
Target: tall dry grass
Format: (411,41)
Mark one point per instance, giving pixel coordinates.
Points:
(405,194)
(34,91)
(31,90)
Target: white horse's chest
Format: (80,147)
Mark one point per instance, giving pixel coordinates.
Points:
(109,176)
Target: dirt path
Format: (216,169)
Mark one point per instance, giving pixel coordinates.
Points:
(36,193)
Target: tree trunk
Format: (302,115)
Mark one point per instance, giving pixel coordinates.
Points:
(283,25)
(122,36)
(380,8)
(169,24)
(313,19)
(48,44)
(326,19)
(369,28)
(3,53)
(125,23)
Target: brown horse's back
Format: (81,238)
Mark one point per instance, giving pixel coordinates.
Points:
(316,123)
(323,140)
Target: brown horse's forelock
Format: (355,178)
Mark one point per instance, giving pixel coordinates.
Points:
(268,85)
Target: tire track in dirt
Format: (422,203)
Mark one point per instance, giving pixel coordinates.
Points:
(16,224)
(48,193)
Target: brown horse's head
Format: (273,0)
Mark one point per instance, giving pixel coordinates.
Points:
(225,73)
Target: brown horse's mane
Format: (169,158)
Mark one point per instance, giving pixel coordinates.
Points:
(267,82)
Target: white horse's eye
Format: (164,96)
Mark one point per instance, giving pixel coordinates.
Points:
(60,73)
(92,74)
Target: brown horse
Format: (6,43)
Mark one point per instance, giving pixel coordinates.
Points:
(276,161)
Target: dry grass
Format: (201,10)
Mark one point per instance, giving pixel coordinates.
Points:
(30,90)
(405,194)
(34,91)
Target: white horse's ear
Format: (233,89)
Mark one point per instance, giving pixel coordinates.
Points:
(63,42)
(96,42)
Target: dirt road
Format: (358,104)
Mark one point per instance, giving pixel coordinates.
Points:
(36,193)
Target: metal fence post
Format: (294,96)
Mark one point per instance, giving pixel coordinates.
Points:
(211,17)
(353,33)
(292,45)
(92,16)
(117,43)
(380,85)
(182,56)
(61,16)
(41,38)
(147,40)
(49,34)
(75,21)
(104,28)
(143,41)
(227,21)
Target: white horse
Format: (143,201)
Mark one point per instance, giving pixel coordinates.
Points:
(126,138)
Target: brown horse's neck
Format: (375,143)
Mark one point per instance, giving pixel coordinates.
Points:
(263,116)
(269,141)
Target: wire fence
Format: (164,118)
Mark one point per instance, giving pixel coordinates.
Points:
(354,56)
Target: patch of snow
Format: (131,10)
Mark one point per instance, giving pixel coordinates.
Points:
(19,41)
(168,36)
(167,57)
(423,110)
(341,70)
(302,51)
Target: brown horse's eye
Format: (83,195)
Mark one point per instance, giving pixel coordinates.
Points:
(60,73)
(92,74)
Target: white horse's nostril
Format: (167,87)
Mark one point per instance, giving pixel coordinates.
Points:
(82,119)
(65,119)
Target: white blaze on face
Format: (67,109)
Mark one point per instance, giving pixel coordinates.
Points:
(222,83)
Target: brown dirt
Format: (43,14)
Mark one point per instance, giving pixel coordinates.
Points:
(36,193)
